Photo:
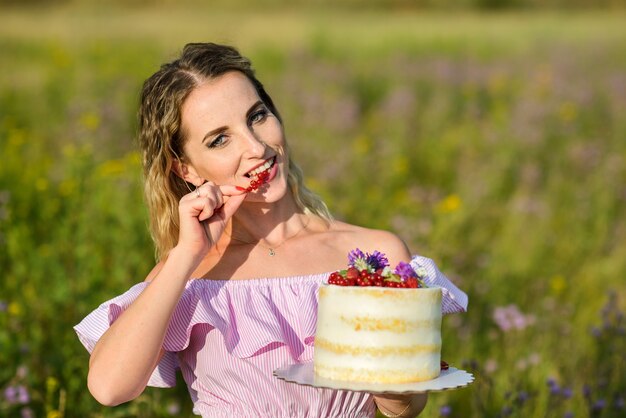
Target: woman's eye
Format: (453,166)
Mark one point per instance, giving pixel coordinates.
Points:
(218,141)
(259,115)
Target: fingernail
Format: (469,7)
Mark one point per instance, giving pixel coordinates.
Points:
(241,189)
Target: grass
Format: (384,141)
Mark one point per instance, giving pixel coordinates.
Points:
(497,142)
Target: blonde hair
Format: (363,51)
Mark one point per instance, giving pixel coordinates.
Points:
(161,138)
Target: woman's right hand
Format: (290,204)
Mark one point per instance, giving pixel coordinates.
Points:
(203,216)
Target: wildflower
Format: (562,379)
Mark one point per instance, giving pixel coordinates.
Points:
(22,372)
(173,408)
(404,270)
(27,413)
(522,397)
(3,306)
(14,309)
(445,410)
(377,260)
(567,393)
(554,386)
(22,395)
(598,405)
(450,204)
(16,395)
(10,394)
(357,259)
(510,317)
(491,366)
(568,414)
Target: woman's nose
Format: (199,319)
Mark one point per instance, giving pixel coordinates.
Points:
(253,144)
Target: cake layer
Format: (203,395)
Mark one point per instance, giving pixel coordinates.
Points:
(359,374)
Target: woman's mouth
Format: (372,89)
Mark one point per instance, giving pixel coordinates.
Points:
(264,167)
(260,175)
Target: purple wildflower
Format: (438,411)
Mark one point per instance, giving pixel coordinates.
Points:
(598,405)
(173,408)
(27,413)
(522,397)
(445,411)
(10,394)
(568,414)
(554,387)
(404,270)
(3,306)
(510,317)
(377,260)
(355,255)
(22,395)
(567,393)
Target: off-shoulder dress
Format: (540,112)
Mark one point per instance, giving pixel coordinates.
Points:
(228,336)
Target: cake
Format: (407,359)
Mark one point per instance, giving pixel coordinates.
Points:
(376,325)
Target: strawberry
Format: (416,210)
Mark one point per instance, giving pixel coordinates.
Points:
(352,273)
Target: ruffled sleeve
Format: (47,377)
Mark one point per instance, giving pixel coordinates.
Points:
(94,325)
(454,299)
(253,316)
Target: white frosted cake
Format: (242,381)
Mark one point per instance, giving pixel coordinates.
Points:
(377,326)
(378,335)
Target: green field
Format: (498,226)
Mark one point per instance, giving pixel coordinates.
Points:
(494,144)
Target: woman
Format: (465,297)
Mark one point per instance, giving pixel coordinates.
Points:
(243,246)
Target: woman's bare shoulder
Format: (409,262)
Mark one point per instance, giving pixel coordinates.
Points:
(155,270)
(350,236)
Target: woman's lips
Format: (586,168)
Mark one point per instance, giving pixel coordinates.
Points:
(267,173)
(261,168)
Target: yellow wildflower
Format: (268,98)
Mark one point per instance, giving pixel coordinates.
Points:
(557,284)
(450,204)
(90,120)
(14,309)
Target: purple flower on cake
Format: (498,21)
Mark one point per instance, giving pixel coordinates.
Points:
(405,271)
(367,261)
(377,260)
(357,259)
(365,269)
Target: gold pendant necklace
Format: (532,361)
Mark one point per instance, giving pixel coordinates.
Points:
(271,250)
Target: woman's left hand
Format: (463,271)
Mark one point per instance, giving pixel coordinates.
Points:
(401,405)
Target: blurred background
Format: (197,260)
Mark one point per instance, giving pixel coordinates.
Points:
(489,134)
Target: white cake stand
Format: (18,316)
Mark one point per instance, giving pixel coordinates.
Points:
(302,374)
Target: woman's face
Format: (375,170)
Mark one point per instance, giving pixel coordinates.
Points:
(231,138)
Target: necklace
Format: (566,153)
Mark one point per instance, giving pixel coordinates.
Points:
(272,249)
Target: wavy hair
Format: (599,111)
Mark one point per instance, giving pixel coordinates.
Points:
(161,137)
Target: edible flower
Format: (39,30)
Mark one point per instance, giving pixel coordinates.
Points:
(365,269)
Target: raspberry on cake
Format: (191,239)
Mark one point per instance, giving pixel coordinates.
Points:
(378,325)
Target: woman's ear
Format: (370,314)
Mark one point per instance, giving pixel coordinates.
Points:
(186,172)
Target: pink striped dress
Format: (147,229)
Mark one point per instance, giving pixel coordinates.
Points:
(228,336)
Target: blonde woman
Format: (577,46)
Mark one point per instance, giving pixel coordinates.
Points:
(242,245)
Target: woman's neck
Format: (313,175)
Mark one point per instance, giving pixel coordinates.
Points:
(269,223)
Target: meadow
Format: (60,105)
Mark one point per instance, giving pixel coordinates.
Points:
(494,144)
